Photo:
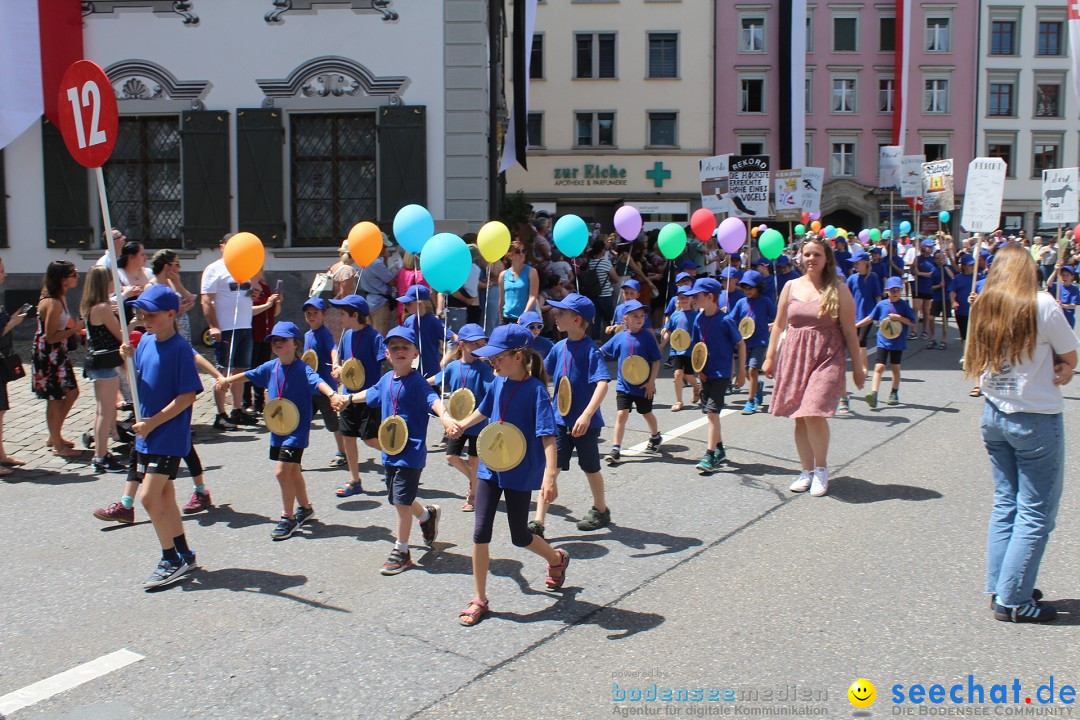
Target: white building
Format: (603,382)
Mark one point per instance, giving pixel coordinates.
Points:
(1027,107)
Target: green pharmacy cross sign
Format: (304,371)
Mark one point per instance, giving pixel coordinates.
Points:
(658,174)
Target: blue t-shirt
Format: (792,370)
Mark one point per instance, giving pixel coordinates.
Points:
(582,362)
(431,333)
(367,346)
(542,346)
(769,290)
(681,320)
(165,370)
(881,311)
(477,376)
(526,405)
(625,344)
(409,397)
(866,289)
(935,278)
(843,261)
(721,335)
(728,300)
(296,382)
(763,310)
(671,306)
(881,270)
(923,284)
(783,279)
(961,285)
(1070,295)
(619,316)
(322,342)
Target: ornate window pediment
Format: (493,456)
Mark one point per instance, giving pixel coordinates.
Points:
(144,80)
(160,7)
(332,76)
(377,6)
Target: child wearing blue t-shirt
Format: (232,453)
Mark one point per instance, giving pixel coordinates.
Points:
(889,351)
(518,397)
(429,330)
(288,378)
(762,310)
(535,324)
(865,287)
(320,341)
(682,280)
(1070,293)
(631,291)
(578,359)
(939,278)
(167,386)
(404,393)
(634,340)
(681,319)
(362,342)
(721,336)
(467,371)
(960,288)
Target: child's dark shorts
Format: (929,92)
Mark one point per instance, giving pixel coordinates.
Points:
(167,465)
(626,401)
(587,446)
(360,420)
(713,391)
(402,484)
(281,453)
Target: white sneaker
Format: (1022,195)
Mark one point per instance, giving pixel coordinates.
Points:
(802,484)
(820,484)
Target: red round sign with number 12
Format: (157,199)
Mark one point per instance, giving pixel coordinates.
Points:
(88,113)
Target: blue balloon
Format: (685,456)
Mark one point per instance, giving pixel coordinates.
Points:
(905,227)
(571,235)
(446,262)
(830,231)
(944,216)
(413,226)
(886,234)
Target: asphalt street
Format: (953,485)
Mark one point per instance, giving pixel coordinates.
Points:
(727,582)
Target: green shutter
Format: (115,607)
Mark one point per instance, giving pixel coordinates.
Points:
(3,204)
(402,158)
(67,193)
(204,167)
(260,176)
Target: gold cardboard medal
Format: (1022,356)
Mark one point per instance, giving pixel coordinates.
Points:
(393,435)
(501,446)
(890,329)
(462,403)
(311,359)
(564,396)
(281,416)
(680,340)
(635,370)
(352,374)
(747,327)
(699,356)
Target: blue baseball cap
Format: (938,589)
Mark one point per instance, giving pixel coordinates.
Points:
(686,290)
(688,264)
(316,302)
(708,285)
(927,242)
(284,329)
(576,303)
(1068,268)
(984,254)
(632,284)
(415,292)
(876,249)
(530,318)
(762,261)
(894,283)
(630,306)
(967,260)
(356,302)
(683,276)
(158,298)
(859,255)
(726,273)
(471,333)
(752,278)
(506,337)
(402,332)
(783,261)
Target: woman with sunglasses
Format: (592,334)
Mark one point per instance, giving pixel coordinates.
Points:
(519,285)
(53,378)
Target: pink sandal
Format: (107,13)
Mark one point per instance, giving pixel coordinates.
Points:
(554,583)
(470,617)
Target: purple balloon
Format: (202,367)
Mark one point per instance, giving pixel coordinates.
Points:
(762,227)
(864,236)
(731,234)
(815,216)
(628,222)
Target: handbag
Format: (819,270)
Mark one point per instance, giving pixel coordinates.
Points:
(103,359)
(11,368)
(322,285)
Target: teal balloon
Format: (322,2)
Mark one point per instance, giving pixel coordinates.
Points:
(875,234)
(413,226)
(905,227)
(671,241)
(800,229)
(571,235)
(944,216)
(771,244)
(886,234)
(830,231)
(445,262)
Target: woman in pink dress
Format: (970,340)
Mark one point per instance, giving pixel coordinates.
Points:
(818,313)
(408,276)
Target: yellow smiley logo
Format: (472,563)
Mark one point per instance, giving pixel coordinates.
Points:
(862,693)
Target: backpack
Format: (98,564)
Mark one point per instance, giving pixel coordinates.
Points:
(588,282)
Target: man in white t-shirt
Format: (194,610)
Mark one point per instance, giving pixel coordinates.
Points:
(118,241)
(227,307)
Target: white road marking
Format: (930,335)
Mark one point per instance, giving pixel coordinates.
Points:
(45,689)
(678,432)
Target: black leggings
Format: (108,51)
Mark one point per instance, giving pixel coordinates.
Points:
(962,323)
(486,503)
(194,464)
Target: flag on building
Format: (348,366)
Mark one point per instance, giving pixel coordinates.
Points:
(1074,37)
(901,70)
(517,133)
(792,115)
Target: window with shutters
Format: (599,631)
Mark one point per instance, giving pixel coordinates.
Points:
(143,180)
(333,175)
(595,56)
(663,55)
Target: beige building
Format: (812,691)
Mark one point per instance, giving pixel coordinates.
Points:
(620,108)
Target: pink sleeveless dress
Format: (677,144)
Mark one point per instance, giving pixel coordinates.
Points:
(811,364)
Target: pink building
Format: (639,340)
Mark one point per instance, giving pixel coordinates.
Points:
(851,92)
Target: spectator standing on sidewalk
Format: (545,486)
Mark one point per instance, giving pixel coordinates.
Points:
(375,285)
(53,376)
(8,322)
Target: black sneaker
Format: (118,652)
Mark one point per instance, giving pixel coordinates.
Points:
(719,455)
(612,457)
(304,515)
(189,558)
(430,527)
(222,422)
(536,529)
(88,441)
(1036,595)
(109,464)
(654,443)
(1032,612)
(285,528)
(239,417)
(166,573)
(594,520)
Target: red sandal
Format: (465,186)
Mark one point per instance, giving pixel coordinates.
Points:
(554,583)
(474,616)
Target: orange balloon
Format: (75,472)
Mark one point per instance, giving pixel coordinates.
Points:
(753,232)
(365,243)
(815,226)
(244,256)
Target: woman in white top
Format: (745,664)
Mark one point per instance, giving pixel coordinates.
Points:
(166,267)
(1023,350)
(132,268)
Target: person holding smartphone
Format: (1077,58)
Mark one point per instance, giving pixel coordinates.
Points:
(8,322)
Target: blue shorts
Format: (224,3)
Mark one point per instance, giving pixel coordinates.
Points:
(402,483)
(755,356)
(103,374)
(241,354)
(587,446)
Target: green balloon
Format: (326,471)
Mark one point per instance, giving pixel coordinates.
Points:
(771,244)
(875,234)
(672,240)
(800,229)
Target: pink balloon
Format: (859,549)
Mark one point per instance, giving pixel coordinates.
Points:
(731,234)
(628,222)
(762,227)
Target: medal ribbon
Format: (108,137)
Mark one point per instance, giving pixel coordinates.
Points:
(569,357)
(284,376)
(465,375)
(504,406)
(394,398)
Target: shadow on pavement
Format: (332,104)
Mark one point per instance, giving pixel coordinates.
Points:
(358,505)
(440,562)
(216,438)
(225,514)
(1068,611)
(45,477)
(638,540)
(318,530)
(571,611)
(857,491)
(262,582)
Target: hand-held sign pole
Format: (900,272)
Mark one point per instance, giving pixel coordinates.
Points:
(89,121)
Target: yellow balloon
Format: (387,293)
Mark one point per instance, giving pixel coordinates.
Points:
(244,256)
(493,240)
(841,233)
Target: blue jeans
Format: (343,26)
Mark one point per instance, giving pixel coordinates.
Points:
(1027,456)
